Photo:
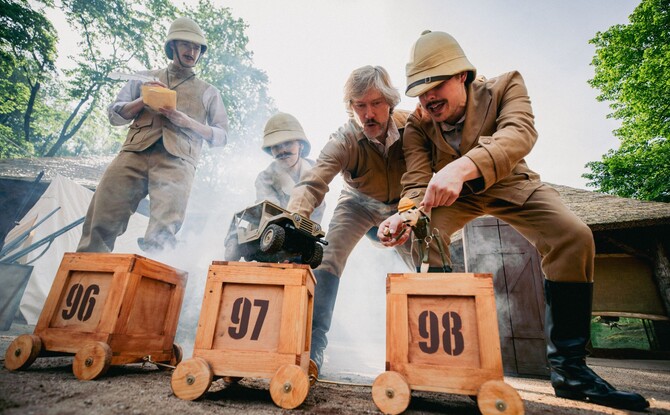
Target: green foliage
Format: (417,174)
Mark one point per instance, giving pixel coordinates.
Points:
(228,65)
(61,111)
(632,71)
(27,56)
(622,334)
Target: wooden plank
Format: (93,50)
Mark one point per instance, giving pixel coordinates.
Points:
(158,271)
(211,303)
(489,339)
(91,261)
(69,341)
(265,276)
(397,332)
(439,284)
(241,363)
(122,297)
(463,381)
(135,344)
(172,315)
(293,320)
(53,300)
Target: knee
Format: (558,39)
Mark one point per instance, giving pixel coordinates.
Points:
(582,237)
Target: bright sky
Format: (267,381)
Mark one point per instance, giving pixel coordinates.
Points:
(309,47)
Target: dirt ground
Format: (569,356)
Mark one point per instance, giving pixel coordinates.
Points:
(49,387)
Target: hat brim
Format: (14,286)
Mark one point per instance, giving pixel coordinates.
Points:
(189,37)
(279,137)
(452,67)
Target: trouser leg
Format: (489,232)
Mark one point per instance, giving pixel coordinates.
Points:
(170,181)
(568,330)
(564,241)
(325,294)
(122,187)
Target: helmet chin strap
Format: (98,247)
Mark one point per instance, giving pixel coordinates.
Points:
(175,52)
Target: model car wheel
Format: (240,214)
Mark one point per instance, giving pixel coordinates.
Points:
(314,257)
(272,239)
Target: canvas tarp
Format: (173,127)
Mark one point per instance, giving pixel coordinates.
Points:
(73,200)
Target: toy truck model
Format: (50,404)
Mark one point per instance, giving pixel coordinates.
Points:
(265,232)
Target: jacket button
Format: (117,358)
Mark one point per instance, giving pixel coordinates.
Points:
(486,141)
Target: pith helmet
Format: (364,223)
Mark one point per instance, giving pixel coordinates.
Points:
(283,127)
(186,29)
(434,57)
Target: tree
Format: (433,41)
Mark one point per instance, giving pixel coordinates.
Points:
(632,71)
(228,65)
(27,56)
(113,34)
(122,36)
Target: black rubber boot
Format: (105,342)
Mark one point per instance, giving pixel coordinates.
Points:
(325,294)
(568,330)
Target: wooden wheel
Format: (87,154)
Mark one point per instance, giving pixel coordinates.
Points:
(92,361)
(313,372)
(495,397)
(192,378)
(289,386)
(22,352)
(177,355)
(391,392)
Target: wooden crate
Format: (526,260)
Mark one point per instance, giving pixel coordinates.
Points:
(255,321)
(107,309)
(442,336)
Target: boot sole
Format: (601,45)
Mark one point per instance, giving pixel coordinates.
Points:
(580,396)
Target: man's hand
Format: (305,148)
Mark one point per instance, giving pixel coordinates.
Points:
(446,185)
(177,117)
(391,228)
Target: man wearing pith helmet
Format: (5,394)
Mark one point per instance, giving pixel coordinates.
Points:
(465,146)
(161,150)
(285,140)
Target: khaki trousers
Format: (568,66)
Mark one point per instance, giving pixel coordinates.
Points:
(130,177)
(355,215)
(562,239)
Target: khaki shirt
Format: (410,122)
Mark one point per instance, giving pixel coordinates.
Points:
(498,133)
(363,166)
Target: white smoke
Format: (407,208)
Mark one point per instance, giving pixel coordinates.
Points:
(224,185)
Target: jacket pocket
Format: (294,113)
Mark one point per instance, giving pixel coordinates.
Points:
(139,128)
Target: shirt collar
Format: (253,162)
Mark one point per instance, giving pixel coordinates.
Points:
(447,128)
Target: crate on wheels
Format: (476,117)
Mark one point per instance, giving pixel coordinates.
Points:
(255,322)
(442,336)
(106,309)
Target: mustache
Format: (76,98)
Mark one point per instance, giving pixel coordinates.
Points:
(372,121)
(435,102)
(284,154)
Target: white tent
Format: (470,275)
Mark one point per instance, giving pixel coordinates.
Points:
(73,200)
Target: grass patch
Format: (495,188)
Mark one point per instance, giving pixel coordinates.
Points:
(622,334)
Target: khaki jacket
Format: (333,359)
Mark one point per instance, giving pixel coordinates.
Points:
(498,133)
(362,166)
